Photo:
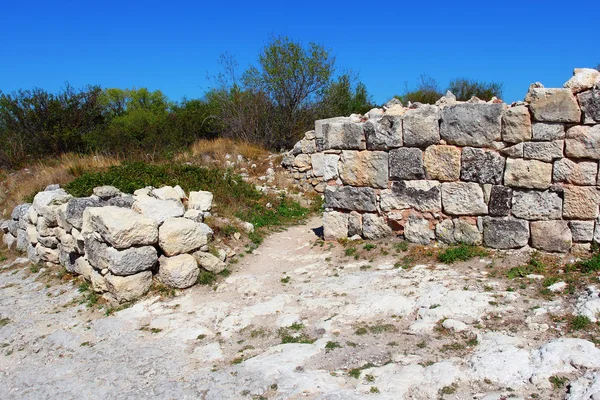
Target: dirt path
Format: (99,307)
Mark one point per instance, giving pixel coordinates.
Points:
(350,328)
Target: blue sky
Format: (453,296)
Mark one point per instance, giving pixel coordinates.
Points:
(174,45)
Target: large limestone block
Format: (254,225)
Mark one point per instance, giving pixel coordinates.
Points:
(364,168)
(422,195)
(442,162)
(330,166)
(458,231)
(179,272)
(577,173)
(335,225)
(516,124)
(505,233)
(209,262)
(384,133)
(106,192)
(351,198)
(182,235)
(481,166)
(168,193)
(582,231)
(343,136)
(461,198)
(83,268)
(553,105)
(46,254)
(543,151)
(46,203)
(468,124)
(583,79)
(375,227)
(317,161)
(354,224)
(580,202)
(120,262)
(583,142)
(590,105)
(545,131)
(75,208)
(22,240)
(551,236)
(9,240)
(536,205)
(530,174)
(302,163)
(121,227)
(421,126)
(128,288)
(201,200)
(20,211)
(406,163)
(417,230)
(160,210)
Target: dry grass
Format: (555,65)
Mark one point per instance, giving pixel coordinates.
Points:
(17,186)
(217,149)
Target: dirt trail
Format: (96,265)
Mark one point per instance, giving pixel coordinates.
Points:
(299,319)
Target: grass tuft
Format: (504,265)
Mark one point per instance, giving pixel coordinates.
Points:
(461,252)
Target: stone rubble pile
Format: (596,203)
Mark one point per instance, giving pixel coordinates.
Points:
(119,242)
(473,172)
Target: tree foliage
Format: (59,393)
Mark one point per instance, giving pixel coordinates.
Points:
(427,91)
(464,89)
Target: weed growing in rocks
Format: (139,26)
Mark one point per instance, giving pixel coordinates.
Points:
(355,372)
(206,278)
(558,381)
(296,335)
(330,346)
(580,322)
(4,322)
(461,252)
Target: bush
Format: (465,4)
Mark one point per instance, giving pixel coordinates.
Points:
(426,92)
(464,89)
(462,252)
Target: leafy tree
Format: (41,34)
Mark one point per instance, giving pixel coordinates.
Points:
(344,96)
(464,89)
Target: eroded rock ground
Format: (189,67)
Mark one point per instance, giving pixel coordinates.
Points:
(363,328)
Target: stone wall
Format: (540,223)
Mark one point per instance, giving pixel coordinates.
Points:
(505,176)
(116,241)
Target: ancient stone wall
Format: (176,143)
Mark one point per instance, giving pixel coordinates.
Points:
(505,176)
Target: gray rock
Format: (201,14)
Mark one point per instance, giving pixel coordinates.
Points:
(335,225)
(179,272)
(288,160)
(50,242)
(32,254)
(590,105)
(536,205)
(582,231)
(461,198)
(121,227)
(481,166)
(46,203)
(458,231)
(20,211)
(505,233)
(375,227)
(194,215)
(543,151)
(577,173)
(128,288)
(553,105)
(52,187)
(530,174)
(22,240)
(364,168)
(67,258)
(355,224)
(343,136)
(317,161)
(406,163)
(422,195)
(45,228)
(515,151)
(583,142)
(76,207)
(516,124)
(124,201)
(9,240)
(551,236)
(421,126)
(13,227)
(4,226)
(384,133)
(417,230)
(106,192)
(48,255)
(120,262)
(444,231)
(477,125)
(546,131)
(209,262)
(500,201)
(351,198)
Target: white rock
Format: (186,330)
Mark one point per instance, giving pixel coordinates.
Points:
(167,193)
(182,235)
(200,200)
(557,287)
(179,272)
(588,304)
(454,325)
(209,262)
(46,203)
(128,288)
(120,227)
(158,210)
(583,79)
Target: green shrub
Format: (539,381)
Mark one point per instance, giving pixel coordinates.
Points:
(461,252)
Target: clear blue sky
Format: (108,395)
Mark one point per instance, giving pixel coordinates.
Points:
(173,45)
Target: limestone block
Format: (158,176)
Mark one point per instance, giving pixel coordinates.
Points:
(45,227)
(128,288)
(583,79)
(179,272)
(515,151)
(577,173)
(120,262)
(551,236)
(384,133)
(32,234)
(106,192)
(209,262)
(364,168)
(536,205)
(335,225)
(9,240)
(200,200)
(343,136)
(317,161)
(168,193)
(123,201)
(330,166)
(67,258)
(22,240)
(580,202)
(582,231)
(351,198)
(500,201)
(553,105)
(481,166)
(442,162)
(531,174)
(421,195)
(467,124)
(46,203)
(46,254)
(546,131)
(583,142)
(161,210)
(302,163)
(590,105)
(50,242)
(417,230)
(83,268)
(452,231)
(182,235)
(20,211)
(543,151)
(75,208)
(375,227)
(121,227)
(461,198)
(505,233)
(421,126)
(406,163)
(516,124)
(355,224)
(323,124)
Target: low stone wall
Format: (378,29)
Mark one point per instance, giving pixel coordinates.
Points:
(474,172)
(116,241)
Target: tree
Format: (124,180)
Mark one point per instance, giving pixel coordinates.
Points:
(426,92)
(464,89)
(344,96)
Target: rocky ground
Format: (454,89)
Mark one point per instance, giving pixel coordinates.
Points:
(299,318)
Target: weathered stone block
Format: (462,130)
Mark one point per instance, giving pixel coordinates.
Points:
(442,162)
(515,151)
(577,173)
(505,233)
(421,126)
(458,231)
(120,262)
(302,162)
(531,174)
(553,105)
(551,236)
(583,142)
(46,254)
(364,168)
(384,133)
(467,124)
(543,151)
(482,166)
(546,131)
(375,227)
(461,198)
(417,230)
(20,211)
(75,208)
(536,205)
(182,235)
(516,124)
(583,79)
(209,262)
(128,288)
(121,227)
(580,202)
(500,201)
(46,203)
(354,224)
(317,161)
(406,163)
(343,136)
(179,272)
(582,231)
(22,240)
(424,196)
(106,192)
(335,225)
(9,240)
(330,166)
(351,198)
(590,105)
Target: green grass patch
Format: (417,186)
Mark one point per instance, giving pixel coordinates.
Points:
(580,322)
(206,278)
(558,381)
(461,252)
(355,372)
(534,266)
(4,321)
(331,346)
